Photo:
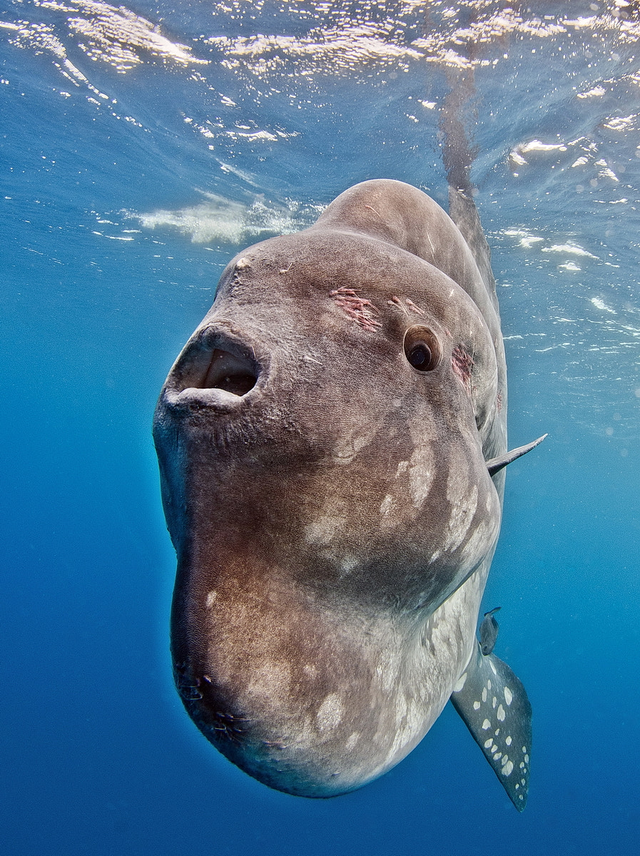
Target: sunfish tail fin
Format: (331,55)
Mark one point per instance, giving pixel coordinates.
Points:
(494,706)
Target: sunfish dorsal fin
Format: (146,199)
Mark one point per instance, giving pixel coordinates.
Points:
(494,706)
(496,464)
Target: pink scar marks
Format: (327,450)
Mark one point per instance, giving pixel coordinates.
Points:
(462,363)
(359,309)
(395,301)
(412,306)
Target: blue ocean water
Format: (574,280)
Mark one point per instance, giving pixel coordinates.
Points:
(141,147)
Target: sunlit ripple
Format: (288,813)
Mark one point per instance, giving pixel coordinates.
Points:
(113,35)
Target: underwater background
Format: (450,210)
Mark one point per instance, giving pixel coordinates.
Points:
(141,147)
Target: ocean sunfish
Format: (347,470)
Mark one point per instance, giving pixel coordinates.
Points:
(324,440)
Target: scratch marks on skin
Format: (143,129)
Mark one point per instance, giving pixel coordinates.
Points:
(462,365)
(377,213)
(359,309)
(412,306)
(409,304)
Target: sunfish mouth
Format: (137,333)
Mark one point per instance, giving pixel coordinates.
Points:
(215,371)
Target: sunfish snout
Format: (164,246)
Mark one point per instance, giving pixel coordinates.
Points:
(216,369)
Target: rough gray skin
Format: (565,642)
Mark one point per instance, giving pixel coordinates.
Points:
(330,506)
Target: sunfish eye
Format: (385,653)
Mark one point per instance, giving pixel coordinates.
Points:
(420,356)
(422,349)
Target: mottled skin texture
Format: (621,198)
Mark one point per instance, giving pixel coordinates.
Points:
(335,523)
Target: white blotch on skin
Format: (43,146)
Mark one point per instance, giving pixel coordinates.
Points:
(508,741)
(486,724)
(352,441)
(387,505)
(508,695)
(271,679)
(348,563)
(501,713)
(421,475)
(526,759)
(351,741)
(494,702)
(461,682)
(476,705)
(211,598)
(401,708)
(484,694)
(330,712)
(323,528)
(487,743)
(478,543)
(507,769)
(463,500)
(387,670)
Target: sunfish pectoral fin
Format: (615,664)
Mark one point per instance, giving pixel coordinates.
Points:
(496,464)
(494,706)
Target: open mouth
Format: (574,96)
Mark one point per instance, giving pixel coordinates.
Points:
(212,362)
(229,372)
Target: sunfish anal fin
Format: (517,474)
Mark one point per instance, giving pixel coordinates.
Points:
(494,706)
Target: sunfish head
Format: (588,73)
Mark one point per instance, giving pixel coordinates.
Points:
(322,441)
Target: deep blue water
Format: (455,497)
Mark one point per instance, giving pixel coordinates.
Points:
(132,169)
